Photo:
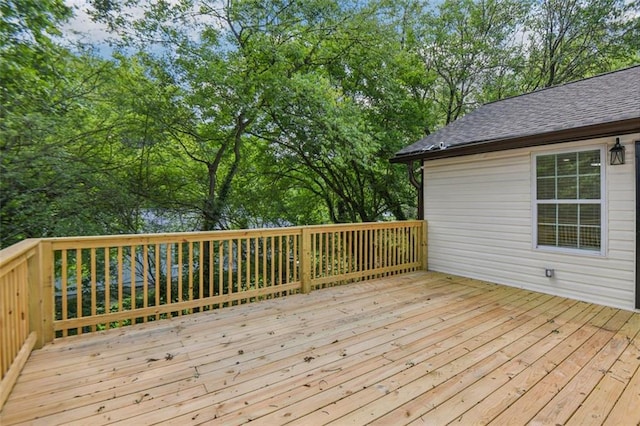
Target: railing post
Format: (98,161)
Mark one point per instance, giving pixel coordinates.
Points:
(41,294)
(424,246)
(305,260)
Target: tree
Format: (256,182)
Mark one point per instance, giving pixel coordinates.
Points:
(68,153)
(67,143)
(29,101)
(334,123)
(248,70)
(242,113)
(573,39)
(471,46)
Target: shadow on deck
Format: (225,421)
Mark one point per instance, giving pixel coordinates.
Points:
(413,348)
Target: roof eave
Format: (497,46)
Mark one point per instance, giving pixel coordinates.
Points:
(612,128)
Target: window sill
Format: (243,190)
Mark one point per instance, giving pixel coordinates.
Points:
(569,251)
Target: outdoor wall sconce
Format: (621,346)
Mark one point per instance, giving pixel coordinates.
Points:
(617,154)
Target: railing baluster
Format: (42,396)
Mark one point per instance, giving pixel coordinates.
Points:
(220,268)
(107,281)
(145,279)
(120,280)
(386,248)
(5,308)
(349,251)
(180,250)
(64,282)
(132,287)
(383,252)
(296,258)
(270,274)
(247,276)
(287,260)
(402,246)
(9,296)
(315,261)
(280,265)
(200,272)
(265,283)
(190,269)
(359,252)
(94,285)
(230,269)
(392,248)
(157,277)
(306,260)
(325,255)
(256,264)
(169,283)
(211,270)
(339,252)
(79,286)
(238,273)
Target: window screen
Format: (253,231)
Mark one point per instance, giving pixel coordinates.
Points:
(569,200)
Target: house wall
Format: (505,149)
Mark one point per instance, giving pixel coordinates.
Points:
(479,213)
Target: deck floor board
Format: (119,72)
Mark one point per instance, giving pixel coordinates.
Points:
(415,348)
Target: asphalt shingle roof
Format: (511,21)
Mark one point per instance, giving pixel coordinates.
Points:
(605,98)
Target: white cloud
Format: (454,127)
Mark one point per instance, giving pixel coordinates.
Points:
(81,28)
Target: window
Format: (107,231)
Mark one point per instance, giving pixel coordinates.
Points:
(568,200)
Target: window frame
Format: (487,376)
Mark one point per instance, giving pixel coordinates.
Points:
(602,202)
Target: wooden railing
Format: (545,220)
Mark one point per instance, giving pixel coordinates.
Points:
(20,309)
(58,287)
(339,254)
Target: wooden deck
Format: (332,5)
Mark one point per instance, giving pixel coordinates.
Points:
(410,349)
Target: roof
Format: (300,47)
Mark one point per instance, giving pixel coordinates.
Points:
(604,105)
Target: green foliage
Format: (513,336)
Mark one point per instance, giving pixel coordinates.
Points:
(30,23)
(72,155)
(572,39)
(471,47)
(240,114)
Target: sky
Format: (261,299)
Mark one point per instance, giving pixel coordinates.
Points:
(90,31)
(82,28)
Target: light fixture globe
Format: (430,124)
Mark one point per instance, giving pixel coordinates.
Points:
(616,154)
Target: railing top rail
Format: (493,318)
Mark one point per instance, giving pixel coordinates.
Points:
(130,239)
(369,225)
(182,237)
(12,252)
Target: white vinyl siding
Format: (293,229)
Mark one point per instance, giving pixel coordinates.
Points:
(480,216)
